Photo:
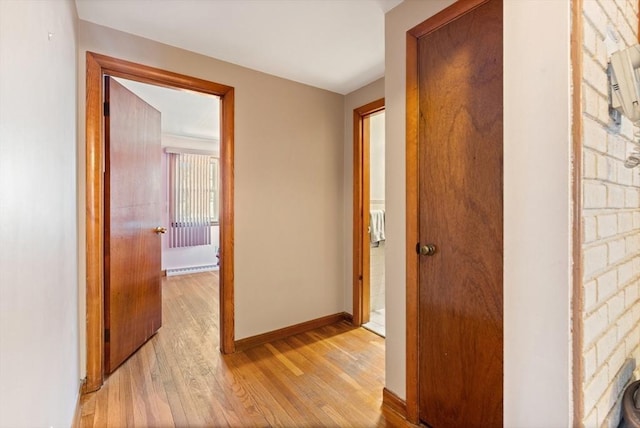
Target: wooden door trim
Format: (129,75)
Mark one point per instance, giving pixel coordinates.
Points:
(360,180)
(438,20)
(577,282)
(97,66)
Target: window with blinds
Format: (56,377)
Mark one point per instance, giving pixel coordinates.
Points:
(193,198)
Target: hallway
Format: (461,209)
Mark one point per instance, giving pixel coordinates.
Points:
(332,376)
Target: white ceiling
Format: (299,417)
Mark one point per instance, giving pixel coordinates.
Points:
(336,45)
(183,113)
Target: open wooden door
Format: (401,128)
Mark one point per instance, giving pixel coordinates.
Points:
(461,221)
(133,300)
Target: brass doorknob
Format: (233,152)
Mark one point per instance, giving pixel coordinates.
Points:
(428,250)
(160,229)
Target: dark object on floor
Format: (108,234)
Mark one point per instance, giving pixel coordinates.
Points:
(631,406)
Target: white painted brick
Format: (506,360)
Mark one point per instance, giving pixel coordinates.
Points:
(617,174)
(589,363)
(590,295)
(611,290)
(589,229)
(604,407)
(590,99)
(591,421)
(632,339)
(596,388)
(631,197)
(617,146)
(607,225)
(626,33)
(595,136)
(595,324)
(594,194)
(631,296)
(594,13)
(616,307)
(590,37)
(603,110)
(633,9)
(602,56)
(615,196)
(632,244)
(605,168)
(626,128)
(617,250)
(624,175)
(595,41)
(610,8)
(625,222)
(595,75)
(595,259)
(607,285)
(625,272)
(605,345)
(616,360)
(625,325)
(588,164)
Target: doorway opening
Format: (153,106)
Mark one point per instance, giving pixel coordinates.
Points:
(99,66)
(183,151)
(369,217)
(376,228)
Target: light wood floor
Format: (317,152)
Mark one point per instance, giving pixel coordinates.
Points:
(328,377)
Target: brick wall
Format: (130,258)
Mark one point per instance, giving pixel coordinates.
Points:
(611,224)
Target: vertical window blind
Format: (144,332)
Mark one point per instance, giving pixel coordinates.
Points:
(193,198)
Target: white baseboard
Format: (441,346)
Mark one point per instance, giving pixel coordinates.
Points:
(192,269)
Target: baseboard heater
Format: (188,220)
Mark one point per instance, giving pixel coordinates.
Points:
(194,269)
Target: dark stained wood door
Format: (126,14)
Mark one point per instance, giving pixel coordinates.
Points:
(133,301)
(461,192)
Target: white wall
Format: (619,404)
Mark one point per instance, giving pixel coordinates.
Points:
(536,206)
(289,137)
(376,157)
(376,196)
(39,369)
(369,93)
(537,213)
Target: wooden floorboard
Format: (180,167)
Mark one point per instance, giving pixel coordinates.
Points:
(329,377)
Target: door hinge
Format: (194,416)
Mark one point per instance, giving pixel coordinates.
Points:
(106,108)
(107,335)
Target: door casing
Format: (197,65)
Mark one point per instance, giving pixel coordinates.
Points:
(361,262)
(97,66)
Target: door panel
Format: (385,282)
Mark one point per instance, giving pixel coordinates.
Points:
(460,188)
(133,301)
